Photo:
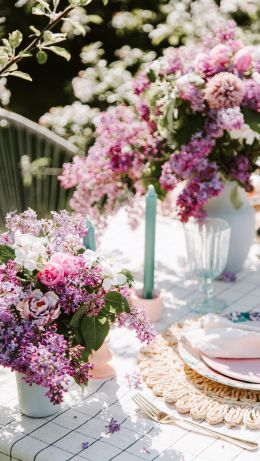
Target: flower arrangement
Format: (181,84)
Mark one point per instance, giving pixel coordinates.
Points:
(196,123)
(58,300)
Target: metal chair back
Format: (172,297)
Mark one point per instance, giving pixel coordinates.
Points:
(31,157)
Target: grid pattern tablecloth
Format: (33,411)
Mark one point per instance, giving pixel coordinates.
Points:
(83,418)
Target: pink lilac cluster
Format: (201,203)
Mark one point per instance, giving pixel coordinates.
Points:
(137,320)
(38,301)
(112,172)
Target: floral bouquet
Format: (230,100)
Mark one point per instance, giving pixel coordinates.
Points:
(58,300)
(196,122)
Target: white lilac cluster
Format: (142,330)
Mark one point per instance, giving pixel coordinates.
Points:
(75,122)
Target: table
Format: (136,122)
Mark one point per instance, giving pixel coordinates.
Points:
(83,418)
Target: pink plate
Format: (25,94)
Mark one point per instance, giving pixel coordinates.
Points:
(242,369)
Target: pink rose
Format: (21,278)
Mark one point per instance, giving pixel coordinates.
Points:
(51,275)
(66,261)
(39,307)
(220,54)
(243,59)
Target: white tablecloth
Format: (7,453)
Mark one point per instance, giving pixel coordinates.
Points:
(84,418)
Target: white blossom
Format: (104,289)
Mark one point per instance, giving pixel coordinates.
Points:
(29,250)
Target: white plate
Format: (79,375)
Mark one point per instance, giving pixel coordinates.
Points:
(247,370)
(193,359)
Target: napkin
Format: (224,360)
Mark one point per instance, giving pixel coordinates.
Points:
(217,336)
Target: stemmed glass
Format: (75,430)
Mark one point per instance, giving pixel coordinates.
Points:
(207,243)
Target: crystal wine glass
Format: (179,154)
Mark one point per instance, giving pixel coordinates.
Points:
(207,243)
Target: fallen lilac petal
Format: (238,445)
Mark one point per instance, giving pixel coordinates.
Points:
(85,445)
(228,276)
(113,426)
(133,379)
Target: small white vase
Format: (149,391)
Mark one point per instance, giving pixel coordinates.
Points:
(240,219)
(32,399)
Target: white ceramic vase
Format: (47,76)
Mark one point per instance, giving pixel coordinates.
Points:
(32,399)
(241,220)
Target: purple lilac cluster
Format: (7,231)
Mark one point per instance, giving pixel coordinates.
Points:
(241,171)
(40,356)
(25,222)
(10,285)
(203,177)
(137,320)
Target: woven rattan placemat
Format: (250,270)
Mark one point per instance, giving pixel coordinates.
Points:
(170,378)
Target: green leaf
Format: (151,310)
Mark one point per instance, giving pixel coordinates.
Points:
(23,75)
(41,57)
(60,52)
(38,10)
(151,75)
(129,276)
(235,199)
(94,332)
(94,19)
(15,38)
(116,301)
(77,317)
(80,2)
(37,32)
(252,118)
(189,127)
(79,27)
(6,253)
(78,337)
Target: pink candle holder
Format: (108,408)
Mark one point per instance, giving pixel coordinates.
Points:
(100,359)
(153,307)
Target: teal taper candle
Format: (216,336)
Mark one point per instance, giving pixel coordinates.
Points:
(150,224)
(90,237)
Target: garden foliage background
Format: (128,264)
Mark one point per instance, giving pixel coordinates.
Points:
(120,37)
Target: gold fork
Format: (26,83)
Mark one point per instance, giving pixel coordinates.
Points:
(160,416)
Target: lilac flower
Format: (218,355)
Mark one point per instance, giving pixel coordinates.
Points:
(144,450)
(230,119)
(137,320)
(252,94)
(133,379)
(27,222)
(241,171)
(141,83)
(113,426)
(85,445)
(228,276)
